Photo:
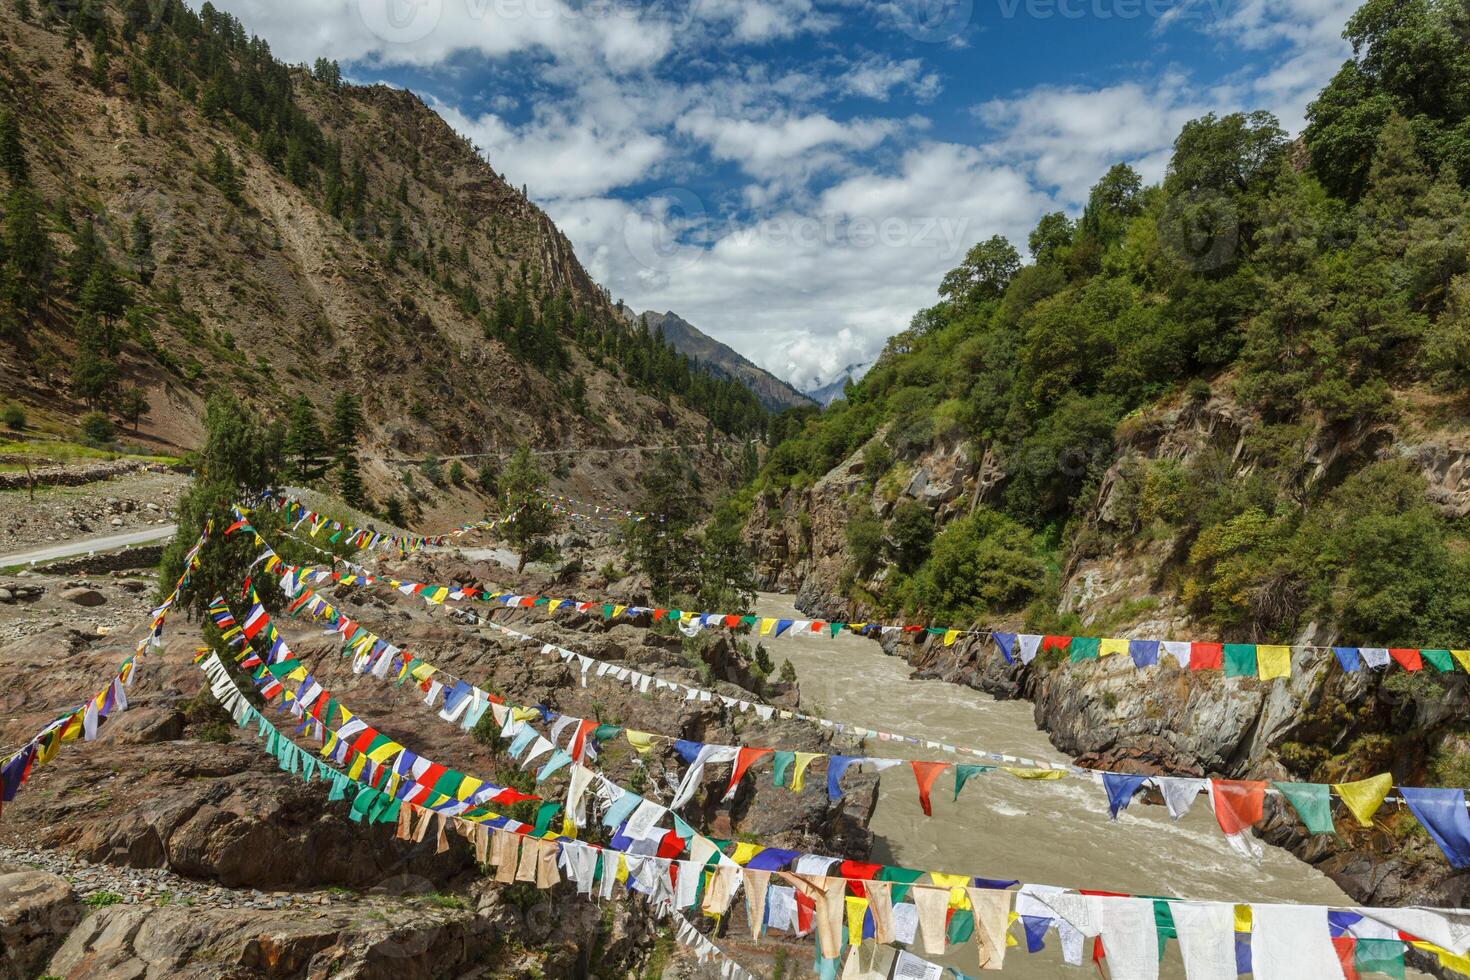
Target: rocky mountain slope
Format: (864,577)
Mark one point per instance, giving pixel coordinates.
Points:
(277,233)
(775,394)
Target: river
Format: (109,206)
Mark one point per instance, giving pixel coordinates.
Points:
(1044,832)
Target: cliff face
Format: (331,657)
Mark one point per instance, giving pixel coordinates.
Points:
(1162,719)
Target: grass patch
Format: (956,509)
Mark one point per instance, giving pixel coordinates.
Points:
(101,900)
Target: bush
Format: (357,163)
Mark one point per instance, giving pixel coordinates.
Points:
(97,428)
(984,563)
(489,476)
(788,673)
(432,470)
(912,531)
(14,418)
(864,540)
(456,473)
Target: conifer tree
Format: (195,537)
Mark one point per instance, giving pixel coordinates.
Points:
(519,483)
(12,153)
(28,252)
(305,448)
(141,248)
(346,429)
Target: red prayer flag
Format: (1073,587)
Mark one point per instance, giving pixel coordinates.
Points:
(924,774)
(806,913)
(1055,642)
(1238,803)
(1206,656)
(1408,659)
(1346,947)
(671,847)
(732,621)
(857,869)
(743,762)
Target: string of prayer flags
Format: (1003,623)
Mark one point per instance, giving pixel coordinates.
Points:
(1121,788)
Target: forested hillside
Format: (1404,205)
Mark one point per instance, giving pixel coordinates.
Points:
(1251,377)
(185,214)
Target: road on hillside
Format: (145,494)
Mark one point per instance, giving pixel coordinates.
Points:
(110,542)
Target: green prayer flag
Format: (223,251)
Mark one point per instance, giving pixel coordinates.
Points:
(781,764)
(604,732)
(448,783)
(607,610)
(1240,660)
(836,627)
(545,813)
(1085,648)
(962,773)
(389,813)
(361,802)
(1440,660)
(1379,956)
(1164,924)
(961,926)
(902,877)
(1313,803)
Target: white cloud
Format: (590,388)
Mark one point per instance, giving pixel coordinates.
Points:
(561,156)
(1068,137)
(766,148)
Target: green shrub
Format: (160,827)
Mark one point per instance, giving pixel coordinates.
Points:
(14,417)
(984,563)
(864,534)
(97,428)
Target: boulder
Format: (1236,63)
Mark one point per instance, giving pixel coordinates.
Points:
(37,910)
(83,596)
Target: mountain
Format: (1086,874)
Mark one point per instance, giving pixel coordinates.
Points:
(826,393)
(775,394)
(185,214)
(1232,406)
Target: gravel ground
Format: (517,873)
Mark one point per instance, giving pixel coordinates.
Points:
(156,886)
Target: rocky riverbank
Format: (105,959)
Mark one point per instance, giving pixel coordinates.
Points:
(184,846)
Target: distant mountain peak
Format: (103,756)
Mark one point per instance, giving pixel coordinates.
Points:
(825,393)
(720,358)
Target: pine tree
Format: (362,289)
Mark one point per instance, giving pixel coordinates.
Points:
(87,249)
(141,249)
(29,251)
(103,294)
(238,459)
(346,428)
(522,478)
(305,448)
(223,176)
(12,153)
(94,371)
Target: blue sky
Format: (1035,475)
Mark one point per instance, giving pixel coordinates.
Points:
(794,176)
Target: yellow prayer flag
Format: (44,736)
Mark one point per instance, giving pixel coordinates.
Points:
(766,626)
(524,714)
(385,752)
(1110,646)
(359,762)
(1273,662)
(744,851)
(642,741)
(950,636)
(1462,657)
(622,874)
(1242,918)
(856,909)
(798,778)
(1011,918)
(618,611)
(958,897)
(1365,796)
(468,787)
(1033,773)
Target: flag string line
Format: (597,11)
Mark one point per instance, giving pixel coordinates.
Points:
(1012,646)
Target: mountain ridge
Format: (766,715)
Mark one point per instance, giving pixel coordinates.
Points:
(774,393)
